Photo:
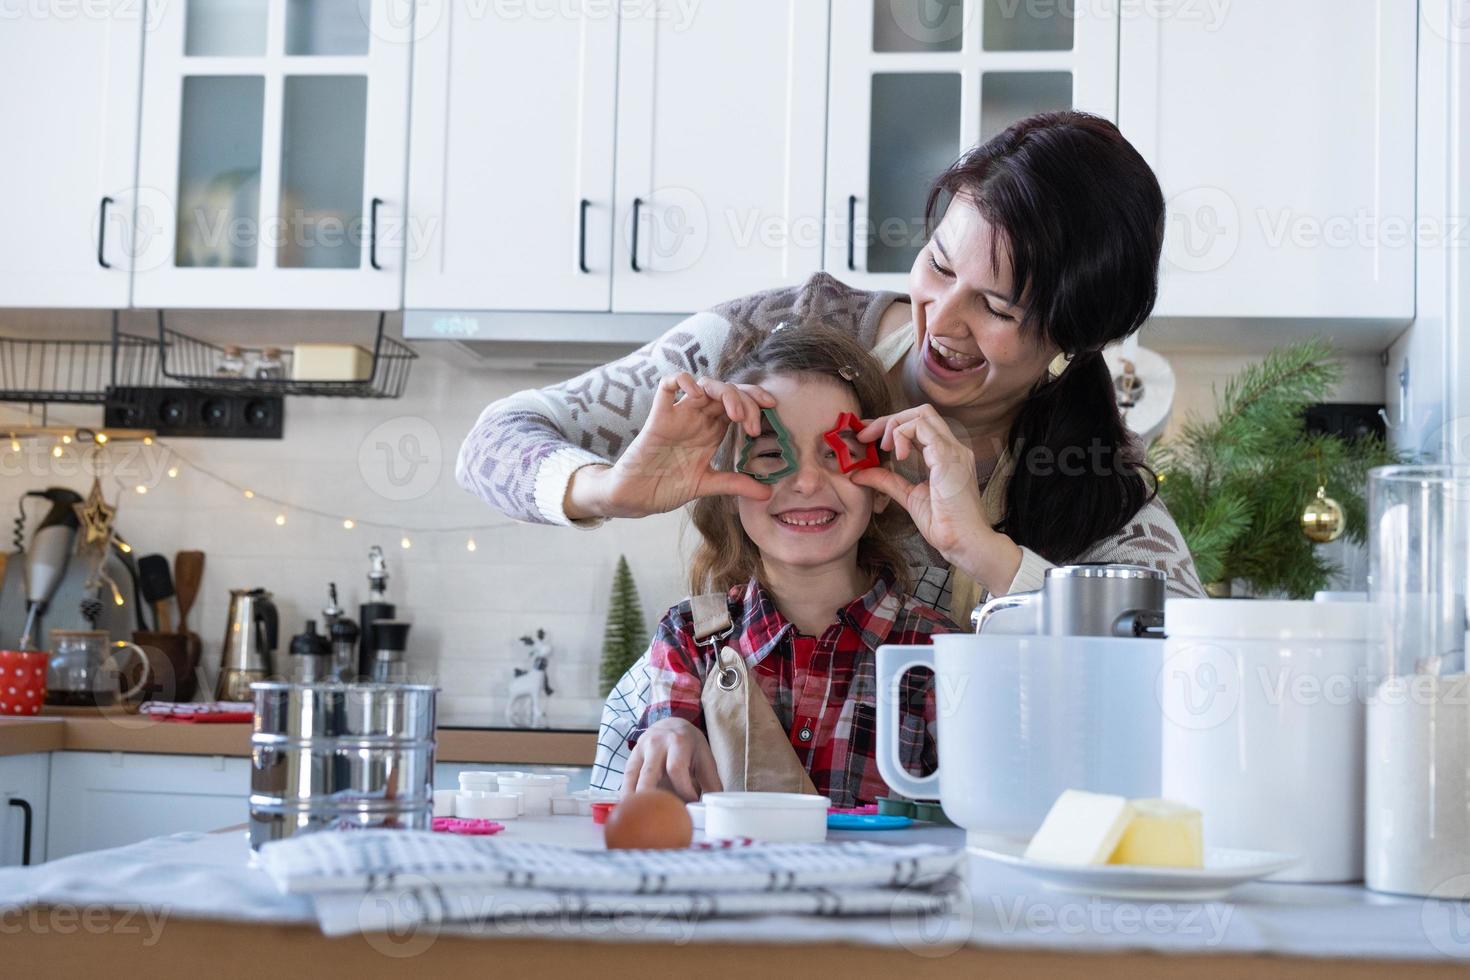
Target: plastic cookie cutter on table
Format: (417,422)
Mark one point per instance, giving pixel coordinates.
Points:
(470,828)
(771,464)
(843,439)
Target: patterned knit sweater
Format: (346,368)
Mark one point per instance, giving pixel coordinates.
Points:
(524,448)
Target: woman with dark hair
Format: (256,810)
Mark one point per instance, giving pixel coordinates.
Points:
(1044,248)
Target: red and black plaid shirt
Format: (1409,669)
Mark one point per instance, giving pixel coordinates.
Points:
(823,688)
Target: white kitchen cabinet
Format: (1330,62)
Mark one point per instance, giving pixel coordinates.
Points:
(69,101)
(1283,136)
(272,154)
(23,807)
(511,159)
(107,799)
(914,83)
(544,146)
(719,152)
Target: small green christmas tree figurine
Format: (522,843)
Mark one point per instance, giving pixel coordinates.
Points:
(626,638)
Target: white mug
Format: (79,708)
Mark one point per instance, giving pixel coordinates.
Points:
(1022,718)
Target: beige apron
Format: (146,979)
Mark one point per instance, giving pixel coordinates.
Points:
(752,751)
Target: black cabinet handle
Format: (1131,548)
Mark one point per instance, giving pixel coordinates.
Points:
(102,232)
(25,844)
(373,233)
(637,205)
(852,233)
(582,237)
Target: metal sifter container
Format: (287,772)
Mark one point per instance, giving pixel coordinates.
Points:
(333,756)
(1097,599)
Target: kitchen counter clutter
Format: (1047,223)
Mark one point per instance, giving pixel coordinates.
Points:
(195,897)
(92,730)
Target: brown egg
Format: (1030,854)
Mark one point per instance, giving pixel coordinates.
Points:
(654,819)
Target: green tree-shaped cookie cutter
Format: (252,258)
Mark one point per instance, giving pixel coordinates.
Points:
(783,442)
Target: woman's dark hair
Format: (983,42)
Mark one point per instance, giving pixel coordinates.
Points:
(1081,218)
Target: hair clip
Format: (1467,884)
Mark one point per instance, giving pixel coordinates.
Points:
(848,422)
(780,326)
(848,372)
(783,442)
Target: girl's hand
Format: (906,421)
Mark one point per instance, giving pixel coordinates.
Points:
(946,507)
(672,754)
(668,464)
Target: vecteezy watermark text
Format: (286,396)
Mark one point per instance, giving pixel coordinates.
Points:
(65,919)
(1099,916)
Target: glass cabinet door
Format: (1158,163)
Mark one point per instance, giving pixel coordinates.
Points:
(323,128)
(219,171)
(915,83)
(273,142)
(916,117)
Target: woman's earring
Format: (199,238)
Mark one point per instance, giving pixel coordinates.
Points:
(1057,366)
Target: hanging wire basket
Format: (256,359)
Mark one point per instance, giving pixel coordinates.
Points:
(76,372)
(196,363)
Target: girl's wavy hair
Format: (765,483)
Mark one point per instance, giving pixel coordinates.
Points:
(726,557)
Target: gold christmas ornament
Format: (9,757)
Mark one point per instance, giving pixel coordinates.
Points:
(1323,519)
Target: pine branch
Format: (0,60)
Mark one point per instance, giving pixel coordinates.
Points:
(1212,532)
(1237,484)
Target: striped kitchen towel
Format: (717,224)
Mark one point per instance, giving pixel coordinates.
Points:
(391,880)
(360,860)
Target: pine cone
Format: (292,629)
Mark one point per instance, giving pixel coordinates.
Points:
(91,610)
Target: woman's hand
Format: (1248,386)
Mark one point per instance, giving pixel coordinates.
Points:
(672,754)
(668,463)
(945,507)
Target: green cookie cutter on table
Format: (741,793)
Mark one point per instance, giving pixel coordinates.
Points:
(783,442)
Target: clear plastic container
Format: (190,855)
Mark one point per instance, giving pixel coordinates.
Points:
(1418,759)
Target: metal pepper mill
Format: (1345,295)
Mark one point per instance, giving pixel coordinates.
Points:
(377,607)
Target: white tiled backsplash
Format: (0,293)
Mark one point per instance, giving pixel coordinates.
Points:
(468,608)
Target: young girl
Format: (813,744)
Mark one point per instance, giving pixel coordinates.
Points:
(814,576)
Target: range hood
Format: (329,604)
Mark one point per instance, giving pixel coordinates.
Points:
(547,340)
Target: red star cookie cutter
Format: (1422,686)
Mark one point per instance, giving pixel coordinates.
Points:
(848,422)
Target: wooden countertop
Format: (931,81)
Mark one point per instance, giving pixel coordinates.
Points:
(20,736)
(188,948)
(85,730)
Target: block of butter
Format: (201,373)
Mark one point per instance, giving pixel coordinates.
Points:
(330,362)
(1081,828)
(1164,834)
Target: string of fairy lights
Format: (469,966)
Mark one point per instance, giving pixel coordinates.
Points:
(280,509)
(347,522)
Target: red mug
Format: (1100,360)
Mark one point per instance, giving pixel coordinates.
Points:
(22,681)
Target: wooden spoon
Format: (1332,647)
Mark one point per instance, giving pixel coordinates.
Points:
(188,571)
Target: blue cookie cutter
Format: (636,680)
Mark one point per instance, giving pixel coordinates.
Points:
(866,821)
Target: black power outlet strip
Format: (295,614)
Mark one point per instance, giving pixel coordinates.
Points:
(200,414)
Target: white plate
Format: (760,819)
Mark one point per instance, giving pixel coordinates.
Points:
(1224,869)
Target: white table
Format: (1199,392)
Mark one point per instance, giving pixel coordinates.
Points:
(197,893)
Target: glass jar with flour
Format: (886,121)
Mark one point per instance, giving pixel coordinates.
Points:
(1418,754)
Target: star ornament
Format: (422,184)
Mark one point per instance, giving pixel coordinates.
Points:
(95,515)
